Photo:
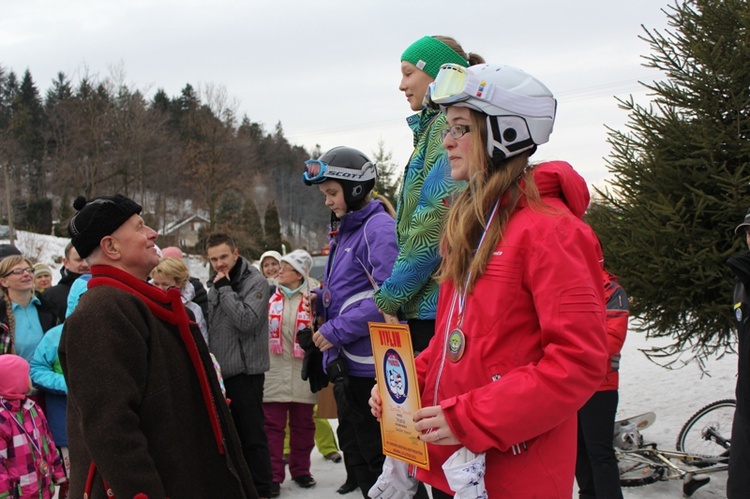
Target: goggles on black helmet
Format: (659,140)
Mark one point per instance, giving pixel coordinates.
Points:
(317,172)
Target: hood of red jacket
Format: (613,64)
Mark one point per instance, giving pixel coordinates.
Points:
(559,179)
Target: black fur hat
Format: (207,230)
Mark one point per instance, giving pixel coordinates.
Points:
(98,218)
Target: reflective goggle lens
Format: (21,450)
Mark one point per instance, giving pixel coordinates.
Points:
(449,85)
(314,170)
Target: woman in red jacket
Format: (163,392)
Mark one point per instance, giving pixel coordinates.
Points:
(520,340)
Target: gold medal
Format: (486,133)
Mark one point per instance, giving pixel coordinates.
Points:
(456,345)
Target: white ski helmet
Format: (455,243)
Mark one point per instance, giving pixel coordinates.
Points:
(520,109)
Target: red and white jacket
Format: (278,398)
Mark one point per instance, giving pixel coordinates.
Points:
(535,347)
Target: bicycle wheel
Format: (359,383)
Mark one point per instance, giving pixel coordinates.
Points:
(707,432)
(634,472)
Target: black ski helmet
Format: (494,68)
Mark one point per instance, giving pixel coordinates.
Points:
(350,167)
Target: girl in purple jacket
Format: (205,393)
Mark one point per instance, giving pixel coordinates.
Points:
(362,251)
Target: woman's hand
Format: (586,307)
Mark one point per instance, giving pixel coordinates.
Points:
(431,422)
(308,302)
(320,342)
(375,402)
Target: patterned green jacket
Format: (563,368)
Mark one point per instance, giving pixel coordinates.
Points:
(426,191)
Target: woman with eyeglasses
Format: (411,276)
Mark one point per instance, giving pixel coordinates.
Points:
(24,316)
(520,342)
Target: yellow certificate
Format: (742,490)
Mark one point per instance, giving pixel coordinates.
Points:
(399,391)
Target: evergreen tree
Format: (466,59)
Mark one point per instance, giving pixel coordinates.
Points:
(682,180)
(61,90)
(252,229)
(388,182)
(272,228)
(228,212)
(27,130)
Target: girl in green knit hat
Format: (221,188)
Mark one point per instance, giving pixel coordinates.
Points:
(426,193)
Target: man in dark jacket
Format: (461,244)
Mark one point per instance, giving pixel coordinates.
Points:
(238,336)
(738,482)
(73,267)
(146,417)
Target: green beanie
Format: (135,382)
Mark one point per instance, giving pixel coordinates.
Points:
(429,53)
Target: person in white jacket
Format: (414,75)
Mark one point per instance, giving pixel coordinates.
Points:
(286,395)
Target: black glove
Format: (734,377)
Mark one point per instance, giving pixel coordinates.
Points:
(312,370)
(304,338)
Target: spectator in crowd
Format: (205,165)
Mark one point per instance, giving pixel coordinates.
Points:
(42,277)
(30,465)
(597,473)
(363,247)
(286,396)
(73,267)
(46,373)
(26,317)
(146,417)
(520,341)
(238,337)
(269,267)
(172,273)
(201,296)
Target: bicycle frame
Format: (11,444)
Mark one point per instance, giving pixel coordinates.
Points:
(648,464)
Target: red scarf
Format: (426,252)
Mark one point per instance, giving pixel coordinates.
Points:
(166,306)
(275,315)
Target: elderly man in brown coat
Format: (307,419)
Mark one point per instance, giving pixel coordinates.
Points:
(146,417)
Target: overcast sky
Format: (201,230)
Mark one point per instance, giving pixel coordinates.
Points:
(328,70)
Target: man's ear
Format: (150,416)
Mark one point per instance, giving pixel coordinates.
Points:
(236,252)
(110,248)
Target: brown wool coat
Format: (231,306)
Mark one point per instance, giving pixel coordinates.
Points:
(135,406)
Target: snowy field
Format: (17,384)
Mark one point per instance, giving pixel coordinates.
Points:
(644,386)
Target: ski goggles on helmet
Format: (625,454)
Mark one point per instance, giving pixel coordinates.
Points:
(317,172)
(455,84)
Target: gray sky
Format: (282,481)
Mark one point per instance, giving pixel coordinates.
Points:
(329,70)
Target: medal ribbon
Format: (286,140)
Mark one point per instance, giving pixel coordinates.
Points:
(462,298)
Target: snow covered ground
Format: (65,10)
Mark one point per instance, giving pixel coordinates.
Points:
(672,395)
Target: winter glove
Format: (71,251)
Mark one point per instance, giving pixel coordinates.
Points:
(304,338)
(312,370)
(312,363)
(394,482)
(464,471)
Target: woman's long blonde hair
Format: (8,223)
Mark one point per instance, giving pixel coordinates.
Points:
(508,182)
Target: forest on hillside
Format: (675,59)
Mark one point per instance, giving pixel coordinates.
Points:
(175,155)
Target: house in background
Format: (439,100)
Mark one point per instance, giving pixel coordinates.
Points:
(184,233)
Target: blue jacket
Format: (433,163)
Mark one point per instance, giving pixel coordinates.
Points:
(46,373)
(366,239)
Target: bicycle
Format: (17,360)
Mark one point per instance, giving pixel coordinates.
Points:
(703,446)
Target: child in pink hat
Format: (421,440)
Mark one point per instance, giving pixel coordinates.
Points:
(30,465)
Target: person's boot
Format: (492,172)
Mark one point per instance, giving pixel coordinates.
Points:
(349,486)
